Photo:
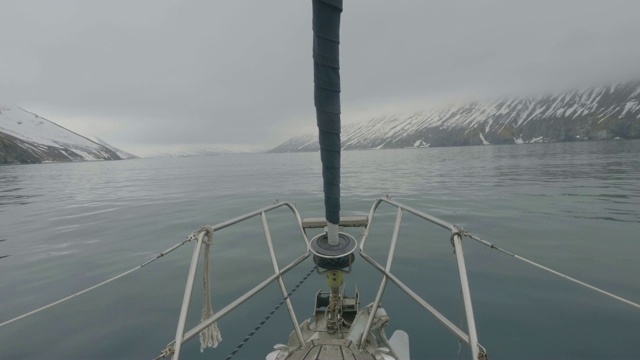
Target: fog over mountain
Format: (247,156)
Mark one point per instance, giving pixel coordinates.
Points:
(597,113)
(153,76)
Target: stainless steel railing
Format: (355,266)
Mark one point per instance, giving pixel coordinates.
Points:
(470,339)
(181,336)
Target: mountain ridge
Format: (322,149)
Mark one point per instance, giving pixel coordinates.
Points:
(595,113)
(121,153)
(27,138)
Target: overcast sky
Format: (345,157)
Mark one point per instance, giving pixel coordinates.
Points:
(157,75)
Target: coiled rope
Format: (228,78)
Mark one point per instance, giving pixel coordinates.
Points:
(530,262)
(255,330)
(210,336)
(167,251)
(169,350)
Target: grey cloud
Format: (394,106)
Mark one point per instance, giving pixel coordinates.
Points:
(173,72)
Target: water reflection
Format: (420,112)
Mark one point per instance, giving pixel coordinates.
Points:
(3,256)
(11,189)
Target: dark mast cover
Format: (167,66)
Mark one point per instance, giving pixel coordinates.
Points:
(326,73)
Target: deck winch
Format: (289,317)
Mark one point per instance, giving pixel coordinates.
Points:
(333,257)
(333,260)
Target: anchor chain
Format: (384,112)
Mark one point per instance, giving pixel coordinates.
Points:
(255,330)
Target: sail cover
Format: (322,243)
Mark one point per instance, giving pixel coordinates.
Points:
(326,73)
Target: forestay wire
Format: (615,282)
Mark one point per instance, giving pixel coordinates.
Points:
(165,252)
(530,262)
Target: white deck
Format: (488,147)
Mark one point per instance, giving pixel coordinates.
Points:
(330,349)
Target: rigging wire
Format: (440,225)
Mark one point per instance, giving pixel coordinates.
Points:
(530,262)
(163,253)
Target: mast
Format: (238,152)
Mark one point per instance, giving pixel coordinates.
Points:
(326,74)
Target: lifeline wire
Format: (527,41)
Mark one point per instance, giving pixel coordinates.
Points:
(189,238)
(493,246)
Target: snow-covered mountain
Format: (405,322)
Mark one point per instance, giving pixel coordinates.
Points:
(28,138)
(598,113)
(123,154)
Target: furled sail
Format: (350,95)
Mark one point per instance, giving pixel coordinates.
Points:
(326,72)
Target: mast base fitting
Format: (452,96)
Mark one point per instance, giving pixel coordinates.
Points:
(333,257)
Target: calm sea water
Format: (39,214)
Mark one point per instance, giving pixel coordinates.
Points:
(574,207)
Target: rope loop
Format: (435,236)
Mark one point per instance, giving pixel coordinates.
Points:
(460,232)
(208,230)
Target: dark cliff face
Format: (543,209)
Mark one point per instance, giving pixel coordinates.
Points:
(11,153)
(600,113)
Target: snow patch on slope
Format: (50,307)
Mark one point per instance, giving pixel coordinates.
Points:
(30,127)
(543,118)
(420,144)
(484,141)
(42,133)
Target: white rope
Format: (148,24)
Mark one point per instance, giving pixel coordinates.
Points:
(97,285)
(210,336)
